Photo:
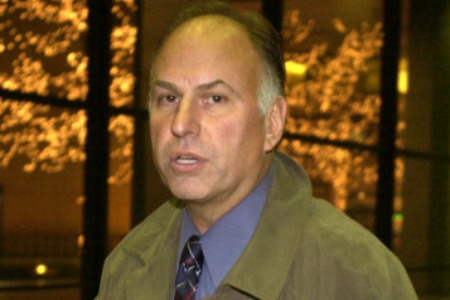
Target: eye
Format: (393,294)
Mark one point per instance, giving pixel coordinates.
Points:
(167,99)
(216,99)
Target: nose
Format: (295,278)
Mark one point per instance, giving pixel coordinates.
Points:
(186,120)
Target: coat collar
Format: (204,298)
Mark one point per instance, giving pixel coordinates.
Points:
(264,266)
(156,276)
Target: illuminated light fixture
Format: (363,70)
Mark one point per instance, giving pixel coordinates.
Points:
(80,200)
(80,241)
(41,269)
(397,217)
(296,72)
(403,74)
(397,222)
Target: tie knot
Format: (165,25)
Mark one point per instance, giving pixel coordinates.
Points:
(192,249)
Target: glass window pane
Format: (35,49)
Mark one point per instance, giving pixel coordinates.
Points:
(121,130)
(423,241)
(42,48)
(41,156)
(123,47)
(346,178)
(333,69)
(422,236)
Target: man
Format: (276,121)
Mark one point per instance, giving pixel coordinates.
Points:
(243,223)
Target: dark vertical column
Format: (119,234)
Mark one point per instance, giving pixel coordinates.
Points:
(388,121)
(140,146)
(97,144)
(2,246)
(273,11)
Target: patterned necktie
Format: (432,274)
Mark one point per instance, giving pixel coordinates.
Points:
(189,270)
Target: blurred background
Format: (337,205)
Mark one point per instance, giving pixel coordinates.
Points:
(368,93)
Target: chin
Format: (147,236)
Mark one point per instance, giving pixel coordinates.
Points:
(187,194)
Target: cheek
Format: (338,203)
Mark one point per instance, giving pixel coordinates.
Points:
(157,126)
(242,133)
(229,131)
(153,134)
(157,135)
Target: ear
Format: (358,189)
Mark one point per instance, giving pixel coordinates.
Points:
(275,120)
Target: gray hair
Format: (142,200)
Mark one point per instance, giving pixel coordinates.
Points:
(263,36)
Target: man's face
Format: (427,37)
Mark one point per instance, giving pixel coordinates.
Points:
(208,134)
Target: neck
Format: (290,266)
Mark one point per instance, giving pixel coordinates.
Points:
(205,214)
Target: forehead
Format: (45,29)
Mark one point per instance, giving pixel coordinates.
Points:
(211,37)
(215,27)
(221,26)
(206,49)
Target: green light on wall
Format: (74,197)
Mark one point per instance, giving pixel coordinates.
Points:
(397,217)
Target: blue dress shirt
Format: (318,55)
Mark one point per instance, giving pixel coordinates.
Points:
(226,239)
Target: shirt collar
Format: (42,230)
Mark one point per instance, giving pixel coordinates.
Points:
(226,239)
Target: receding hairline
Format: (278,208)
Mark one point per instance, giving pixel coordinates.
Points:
(237,30)
(213,18)
(210,20)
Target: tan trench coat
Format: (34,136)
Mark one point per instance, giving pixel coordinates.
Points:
(303,248)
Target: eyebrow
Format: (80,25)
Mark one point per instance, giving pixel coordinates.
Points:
(202,87)
(166,85)
(212,84)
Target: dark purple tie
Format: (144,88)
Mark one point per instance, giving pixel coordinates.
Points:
(189,270)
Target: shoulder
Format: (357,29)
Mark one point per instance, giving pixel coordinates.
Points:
(330,225)
(343,239)
(148,233)
(351,258)
(138,247)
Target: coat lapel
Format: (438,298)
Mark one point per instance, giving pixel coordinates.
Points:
(263,268)
(156,277)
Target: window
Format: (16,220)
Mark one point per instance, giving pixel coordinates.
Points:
(45,103)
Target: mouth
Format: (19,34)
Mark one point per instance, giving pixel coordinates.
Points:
(186,160)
